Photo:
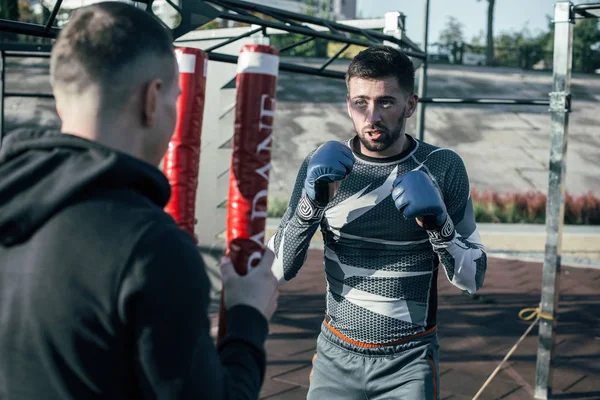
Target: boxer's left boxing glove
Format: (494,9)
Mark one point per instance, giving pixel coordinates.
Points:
(416,196)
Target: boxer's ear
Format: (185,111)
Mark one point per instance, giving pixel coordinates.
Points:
(150,101)
(348,105)
(411,103)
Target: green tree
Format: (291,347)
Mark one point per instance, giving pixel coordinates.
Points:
(522,48)
(452,32)
(477,44)
(478,40)
(586,40)
(214,24)
(319,9)
(452,37)
(489,52)
(585,37)
(509,47)
(25,13)
(9,9)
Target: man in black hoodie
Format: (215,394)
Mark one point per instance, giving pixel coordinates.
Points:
(102,296)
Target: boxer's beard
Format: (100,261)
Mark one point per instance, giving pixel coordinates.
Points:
(388,137)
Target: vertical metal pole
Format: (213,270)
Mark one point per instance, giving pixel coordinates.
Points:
(559,109)
(2,91)
(422,90)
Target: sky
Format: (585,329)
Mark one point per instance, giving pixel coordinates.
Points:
(510,15)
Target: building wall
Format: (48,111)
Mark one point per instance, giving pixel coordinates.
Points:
(348,9)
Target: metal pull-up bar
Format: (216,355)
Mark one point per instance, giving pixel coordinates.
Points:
(298,23)
(484,101)
(3,93)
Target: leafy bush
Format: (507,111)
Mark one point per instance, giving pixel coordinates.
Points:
(276,207)
(514,208)
(531,208)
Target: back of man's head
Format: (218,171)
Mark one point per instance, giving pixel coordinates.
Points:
(110,48)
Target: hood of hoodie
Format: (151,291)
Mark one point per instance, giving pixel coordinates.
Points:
(42,171)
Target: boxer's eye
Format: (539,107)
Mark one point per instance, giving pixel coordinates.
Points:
(386,103)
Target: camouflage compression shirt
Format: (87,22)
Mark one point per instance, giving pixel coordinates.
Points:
(381,268)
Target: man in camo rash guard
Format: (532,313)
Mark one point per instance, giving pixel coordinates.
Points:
(391,209)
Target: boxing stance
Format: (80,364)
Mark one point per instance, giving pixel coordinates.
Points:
(400,208)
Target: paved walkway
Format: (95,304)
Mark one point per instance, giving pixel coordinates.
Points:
(475,334)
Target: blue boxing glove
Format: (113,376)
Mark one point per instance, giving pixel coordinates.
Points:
(331,162)
(416,196)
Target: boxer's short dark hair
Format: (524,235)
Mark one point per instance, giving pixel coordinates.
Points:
(382,61)
(102,41)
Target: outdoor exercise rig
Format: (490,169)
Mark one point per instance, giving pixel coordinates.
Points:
(266,21)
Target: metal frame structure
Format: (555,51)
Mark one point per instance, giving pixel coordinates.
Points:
(35,51)
(195,13)
(565,14)
(268,21)
(422,90)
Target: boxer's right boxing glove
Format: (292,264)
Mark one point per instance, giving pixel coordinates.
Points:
(331,162)
(416,196)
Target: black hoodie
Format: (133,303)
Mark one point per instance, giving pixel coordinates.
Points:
(102,295)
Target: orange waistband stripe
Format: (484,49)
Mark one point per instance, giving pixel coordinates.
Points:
(378,345)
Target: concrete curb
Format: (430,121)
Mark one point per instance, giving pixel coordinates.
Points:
(567,260)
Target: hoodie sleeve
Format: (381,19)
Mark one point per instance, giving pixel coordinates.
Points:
(162,302)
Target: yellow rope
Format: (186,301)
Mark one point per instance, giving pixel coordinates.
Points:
(533,313)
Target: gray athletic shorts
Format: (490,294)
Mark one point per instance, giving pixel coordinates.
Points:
(346,371)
